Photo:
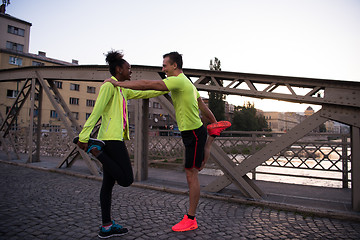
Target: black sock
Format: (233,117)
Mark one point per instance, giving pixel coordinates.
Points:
(191,217)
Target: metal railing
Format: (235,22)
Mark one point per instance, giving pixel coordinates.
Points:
(321,156)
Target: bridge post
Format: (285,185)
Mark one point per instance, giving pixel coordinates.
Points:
(355,167)
(345,162)
(141,139)
(35,122)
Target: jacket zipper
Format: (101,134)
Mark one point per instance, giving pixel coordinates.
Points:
(108,125)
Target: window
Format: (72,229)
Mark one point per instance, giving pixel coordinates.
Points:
(15,46)
(53,114)
(74,87)
(156,105)
(15,61)
(91,89)
(36,63)
(54,128)
(58,84)
(90,103)
(16,31)
(36,112)
(75,115)
(12,93)
(87,116)
(74,101)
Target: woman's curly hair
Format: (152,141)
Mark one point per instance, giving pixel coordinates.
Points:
(114,59)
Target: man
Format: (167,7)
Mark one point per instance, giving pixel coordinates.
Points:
(187,102)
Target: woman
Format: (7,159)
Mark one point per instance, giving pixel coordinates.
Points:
(111,106)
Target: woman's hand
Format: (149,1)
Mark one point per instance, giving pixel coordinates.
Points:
(82,145)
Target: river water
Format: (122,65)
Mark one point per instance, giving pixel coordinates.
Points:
(329,166)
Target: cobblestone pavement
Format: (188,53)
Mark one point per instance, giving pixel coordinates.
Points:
(37,204)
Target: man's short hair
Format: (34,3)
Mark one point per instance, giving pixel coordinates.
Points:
(175,57)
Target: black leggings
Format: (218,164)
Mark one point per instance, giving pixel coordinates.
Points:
(116,167)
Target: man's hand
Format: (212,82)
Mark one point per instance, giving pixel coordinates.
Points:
(202,166)
(82,145)
(113,82)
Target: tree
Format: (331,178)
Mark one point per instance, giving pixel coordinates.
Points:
(322,128)
(246,118)
(216,100)
(3,6)
(215,65)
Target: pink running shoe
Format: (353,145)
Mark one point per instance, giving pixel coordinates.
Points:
(215,129)
(186,224)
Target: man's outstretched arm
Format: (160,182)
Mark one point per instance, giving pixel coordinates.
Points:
(158,85)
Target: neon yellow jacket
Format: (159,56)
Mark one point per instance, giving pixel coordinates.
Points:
(109,106)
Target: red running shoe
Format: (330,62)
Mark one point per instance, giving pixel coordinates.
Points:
(215,129)
(186,224)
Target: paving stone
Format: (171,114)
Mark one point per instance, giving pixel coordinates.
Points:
(38,204)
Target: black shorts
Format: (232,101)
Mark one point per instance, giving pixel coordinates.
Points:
(194,141)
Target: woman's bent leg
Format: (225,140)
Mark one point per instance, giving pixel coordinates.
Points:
(116,162)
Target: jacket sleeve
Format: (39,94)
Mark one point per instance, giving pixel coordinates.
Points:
(138,94)
(105,94)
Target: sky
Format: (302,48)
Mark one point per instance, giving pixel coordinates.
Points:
(301,38)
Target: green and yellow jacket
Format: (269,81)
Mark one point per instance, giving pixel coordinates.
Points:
(109,106)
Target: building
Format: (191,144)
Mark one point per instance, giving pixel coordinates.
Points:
(15,36)
(229,109)
(80,96)
(14,53)
(309,111)
(282,122)
(14,45)
(159,118)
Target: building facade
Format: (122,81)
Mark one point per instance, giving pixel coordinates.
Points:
(14,53)
(282,122)
(15,33)
(79,96)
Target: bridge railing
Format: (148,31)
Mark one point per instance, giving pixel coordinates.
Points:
(317,156)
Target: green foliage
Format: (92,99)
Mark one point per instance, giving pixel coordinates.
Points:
(217,105)
(216,100)
(179,160)
(6,2)
(215,65)
(246,119)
